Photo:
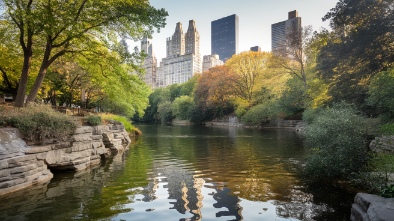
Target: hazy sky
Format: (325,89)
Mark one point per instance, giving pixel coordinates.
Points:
(255,19)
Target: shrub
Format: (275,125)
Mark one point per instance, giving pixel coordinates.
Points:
(39,123)
(93,120)
(260,114)
(124,120)
(337,136)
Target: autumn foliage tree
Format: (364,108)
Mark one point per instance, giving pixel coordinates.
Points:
(215,92)
(250,69)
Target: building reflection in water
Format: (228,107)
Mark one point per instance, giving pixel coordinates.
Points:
(186,190)
(225,199)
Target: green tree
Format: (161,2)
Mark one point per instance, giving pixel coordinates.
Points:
(361,46)
(250,67)
(182,107)
(164,111)
(10,59)
(60,27)
(158,96)
(381,91)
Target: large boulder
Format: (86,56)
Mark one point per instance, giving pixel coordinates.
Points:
(384,144)
(368,207)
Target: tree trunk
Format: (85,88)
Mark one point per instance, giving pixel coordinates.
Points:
(20,97)
(37,84)
(41,74)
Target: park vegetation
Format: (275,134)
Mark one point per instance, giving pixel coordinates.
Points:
(335,80)
(339,81)
(54,51)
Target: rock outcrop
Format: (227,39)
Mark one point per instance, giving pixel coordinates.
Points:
(384,144)
(19,170)
(368,207)
(22,166)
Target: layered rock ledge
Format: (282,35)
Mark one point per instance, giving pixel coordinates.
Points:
(22,166)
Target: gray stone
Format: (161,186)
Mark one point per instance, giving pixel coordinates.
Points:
(99,130)
(21,160)
(384,144)
(83,130)
(22,166)
(368,207)
(37,149)
(3,164)
(61,145)
(81,138)
(11,143)
(23,169)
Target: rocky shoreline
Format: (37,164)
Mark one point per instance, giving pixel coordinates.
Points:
(23,166)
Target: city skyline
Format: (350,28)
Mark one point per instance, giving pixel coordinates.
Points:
(255,19)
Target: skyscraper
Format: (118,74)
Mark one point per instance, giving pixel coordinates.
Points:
(150,62)
(224,37)
(183,56)
(280,30)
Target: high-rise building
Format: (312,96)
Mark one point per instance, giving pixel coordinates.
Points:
(224,37)
(280,30)
(150,62)
(183,56)
(210,61)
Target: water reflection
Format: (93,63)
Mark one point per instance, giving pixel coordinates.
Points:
(187,173)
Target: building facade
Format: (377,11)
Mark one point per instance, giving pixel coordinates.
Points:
(150,63)
(183,58)
(224,37)
(210,61)
(280,30)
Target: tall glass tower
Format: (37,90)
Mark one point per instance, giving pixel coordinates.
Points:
(224,37)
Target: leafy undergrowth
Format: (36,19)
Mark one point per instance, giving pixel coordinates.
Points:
(38,123)
(124,120)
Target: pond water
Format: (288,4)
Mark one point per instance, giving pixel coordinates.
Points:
(188,173)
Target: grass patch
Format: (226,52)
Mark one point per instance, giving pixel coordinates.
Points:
(387,129)
(38,123)
(124,120)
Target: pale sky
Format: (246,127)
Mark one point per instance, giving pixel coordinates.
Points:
(255,19)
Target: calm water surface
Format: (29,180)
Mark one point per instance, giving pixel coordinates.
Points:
(188,173)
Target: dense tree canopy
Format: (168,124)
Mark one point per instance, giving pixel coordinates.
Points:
(55,28)
(361,46)
(250,67)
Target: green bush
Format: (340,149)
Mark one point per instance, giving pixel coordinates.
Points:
(337,138)
(93,120)
(39,123)
(310,115)
(260,114)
